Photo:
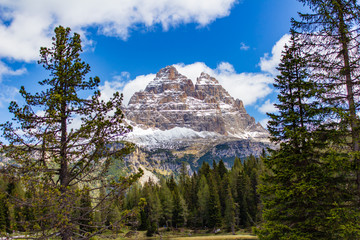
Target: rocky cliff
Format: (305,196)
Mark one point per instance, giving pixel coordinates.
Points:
(176,120)
(172,100)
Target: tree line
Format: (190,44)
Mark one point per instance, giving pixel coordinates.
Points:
(212,198)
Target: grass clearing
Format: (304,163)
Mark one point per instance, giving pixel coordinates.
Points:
(218,237)
(174,235)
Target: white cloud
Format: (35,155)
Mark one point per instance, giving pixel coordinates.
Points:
(244,47)
(267,107)
(27,25)
(7,94)
(6,70)
(269,63)
(249,87)
(264,122)
(109,88)
(225,68)
(124,76)
(122,85)
(138,84)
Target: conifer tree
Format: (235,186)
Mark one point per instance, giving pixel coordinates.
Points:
(229,211)
(331,33)
(242,194)
(166,203)
(203,201)
(302,188)
(153,202)
(222,169)
(177,219)
(144,216)
(54,156)
(214,204)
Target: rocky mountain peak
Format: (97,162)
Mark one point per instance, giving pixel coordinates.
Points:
(206,79)
(169,72)
(169,79)
(176,120)
(172,100)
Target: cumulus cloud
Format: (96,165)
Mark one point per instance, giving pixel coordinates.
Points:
(267,107)
(138,84)
(27,25)
(5,70)
(109,88)
(122,84)
(249,87)
(268,63)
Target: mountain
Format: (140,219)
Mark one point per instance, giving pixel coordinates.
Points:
(175,120)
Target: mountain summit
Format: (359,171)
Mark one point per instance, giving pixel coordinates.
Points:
(177,121)
(172,100)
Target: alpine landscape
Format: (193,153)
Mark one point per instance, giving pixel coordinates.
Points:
(176,121)
(180,119)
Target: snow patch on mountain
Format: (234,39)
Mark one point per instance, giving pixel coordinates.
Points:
(155,137)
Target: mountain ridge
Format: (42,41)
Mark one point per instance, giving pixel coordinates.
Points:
(175,121)
(173,100)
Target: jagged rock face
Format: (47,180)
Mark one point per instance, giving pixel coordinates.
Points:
(172,100)
(178,121)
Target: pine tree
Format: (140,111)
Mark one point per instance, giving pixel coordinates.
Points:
(144,216)
(222,169)
(251,169)
(242,194)
(229,211)
(302,188)
(331,33)
(204,169)
(166,203)
(154,204)
(214,204)
(177,219)
(191,199)
(52,155)
(203,201)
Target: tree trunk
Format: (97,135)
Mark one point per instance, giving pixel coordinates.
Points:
(343,31)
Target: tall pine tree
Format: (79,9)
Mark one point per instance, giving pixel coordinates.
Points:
(301,189)
(51,154)
(332,36)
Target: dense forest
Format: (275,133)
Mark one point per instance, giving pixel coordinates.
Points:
(213,198)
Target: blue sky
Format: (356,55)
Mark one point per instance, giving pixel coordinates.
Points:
(127,41)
